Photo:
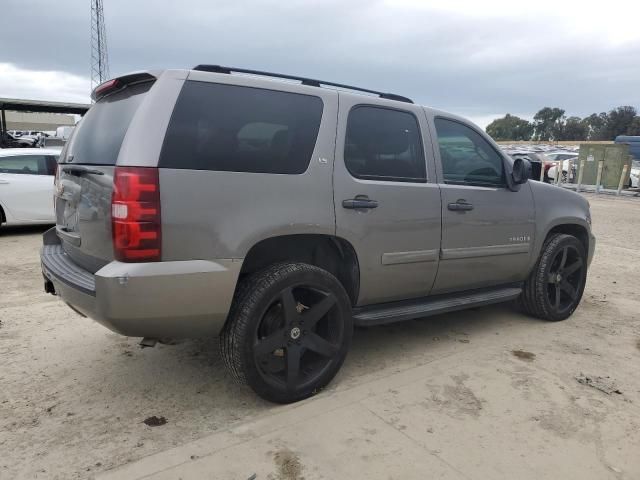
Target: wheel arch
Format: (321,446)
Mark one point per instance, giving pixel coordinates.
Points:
(574,229)
(569,225)
(331,253)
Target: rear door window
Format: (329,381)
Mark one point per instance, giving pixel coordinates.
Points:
(384,144)
(98,137)
(241,129)
(24,164)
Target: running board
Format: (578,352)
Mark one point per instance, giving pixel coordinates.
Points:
(424,307)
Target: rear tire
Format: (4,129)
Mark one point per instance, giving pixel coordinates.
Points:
(554,288)
(288,331)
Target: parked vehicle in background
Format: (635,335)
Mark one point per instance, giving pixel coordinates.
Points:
(281,214)
(568,160)
(64,132)
(634,178)
(633,142)
(11,141)
(562,155)
(26,185)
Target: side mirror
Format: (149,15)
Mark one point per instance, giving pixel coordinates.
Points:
(521,171)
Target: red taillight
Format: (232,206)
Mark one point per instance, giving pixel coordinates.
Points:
(135,214)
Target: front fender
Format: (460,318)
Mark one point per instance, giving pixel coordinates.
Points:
(558,209)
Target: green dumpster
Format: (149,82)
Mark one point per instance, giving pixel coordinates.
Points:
(615,157)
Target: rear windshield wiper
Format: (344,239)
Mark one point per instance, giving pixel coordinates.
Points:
(79,170)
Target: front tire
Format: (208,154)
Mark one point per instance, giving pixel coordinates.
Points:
(288,331)
(554,288)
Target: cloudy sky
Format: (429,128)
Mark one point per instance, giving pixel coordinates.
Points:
(478,58)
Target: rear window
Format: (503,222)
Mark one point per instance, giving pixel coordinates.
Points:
(98,137)
(241,129)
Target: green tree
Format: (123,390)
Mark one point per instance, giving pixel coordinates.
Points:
(548,123)
(619,120)
(510,127)
(596,126)
(574,129)
(634,128)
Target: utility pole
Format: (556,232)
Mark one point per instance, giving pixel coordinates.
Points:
(99,54)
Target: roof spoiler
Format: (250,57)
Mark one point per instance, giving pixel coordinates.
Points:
(119,83)
(305,81)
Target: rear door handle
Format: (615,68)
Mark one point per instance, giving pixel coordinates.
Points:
(359,202)
(460,206)
(4,182)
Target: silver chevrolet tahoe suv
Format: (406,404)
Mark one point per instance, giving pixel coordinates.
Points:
(279,212)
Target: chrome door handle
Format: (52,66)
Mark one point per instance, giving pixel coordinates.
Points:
(460,206)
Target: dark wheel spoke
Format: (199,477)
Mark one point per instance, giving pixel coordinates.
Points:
(567,287)
(557,299)
(574,267)
(319,310)
(316,343)
(269,344)
(563,262)
(293,366)
(289,305)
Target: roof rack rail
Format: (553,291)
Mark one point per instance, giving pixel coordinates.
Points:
(305,81)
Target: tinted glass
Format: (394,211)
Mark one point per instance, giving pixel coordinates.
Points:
(24,164)
(52,164)
(384,144)
(98,137)
(467,158)
(241,129)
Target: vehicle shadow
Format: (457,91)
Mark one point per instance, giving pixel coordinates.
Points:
(191,375)
(6,231)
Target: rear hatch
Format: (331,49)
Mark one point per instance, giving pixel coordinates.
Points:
(84,184)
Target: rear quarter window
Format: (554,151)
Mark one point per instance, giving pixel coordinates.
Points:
(241,129)
(24,164)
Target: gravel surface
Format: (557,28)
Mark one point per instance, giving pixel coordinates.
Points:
(76,399)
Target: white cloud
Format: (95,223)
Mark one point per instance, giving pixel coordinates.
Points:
(615,21)
(16,82)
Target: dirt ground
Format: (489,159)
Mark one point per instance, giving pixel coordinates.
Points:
(74,397)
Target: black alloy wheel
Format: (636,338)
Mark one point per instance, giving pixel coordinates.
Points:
(565,278)
(288,331)
(555,286)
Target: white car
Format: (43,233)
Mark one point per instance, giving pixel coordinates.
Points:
(26,185)
(567,158)
(634,178)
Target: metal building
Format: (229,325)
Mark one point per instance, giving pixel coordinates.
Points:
(19,114)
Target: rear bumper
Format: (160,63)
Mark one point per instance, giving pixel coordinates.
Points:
(160,299)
